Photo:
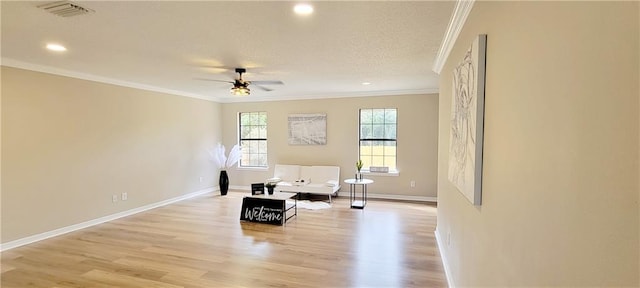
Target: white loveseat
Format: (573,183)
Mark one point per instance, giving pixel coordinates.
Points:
(323,180)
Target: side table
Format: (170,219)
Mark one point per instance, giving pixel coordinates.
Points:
(353,183)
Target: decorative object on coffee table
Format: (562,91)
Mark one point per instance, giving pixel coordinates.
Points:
(219,157)
(359,166)
(257,188)
(270,186)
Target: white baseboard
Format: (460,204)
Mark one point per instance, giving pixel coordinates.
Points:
(369,195)
(71,228)
(239,187)
(445,262)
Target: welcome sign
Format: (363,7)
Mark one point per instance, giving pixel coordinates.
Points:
(269,211)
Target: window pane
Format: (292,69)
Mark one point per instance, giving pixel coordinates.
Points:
(390,131)
(378,131)
(390,148)
(390,162)
(366,162)
(260,132)
(390,116)
(379,147)
(244,131)
(255,132)
(377,161)
(378,115)
(366,131)
(365,116)
(365,148)
(244,119)
(261,159)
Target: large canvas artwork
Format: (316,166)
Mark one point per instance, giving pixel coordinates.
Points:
(467,122)
(307,129)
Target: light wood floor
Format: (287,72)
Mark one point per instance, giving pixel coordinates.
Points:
(200,242)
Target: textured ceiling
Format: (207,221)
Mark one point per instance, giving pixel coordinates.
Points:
(167,45)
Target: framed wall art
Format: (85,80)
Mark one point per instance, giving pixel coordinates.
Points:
(307,129)
(467,122)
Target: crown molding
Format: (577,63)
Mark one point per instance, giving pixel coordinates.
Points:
(90,77)
(331,95)
(459,16)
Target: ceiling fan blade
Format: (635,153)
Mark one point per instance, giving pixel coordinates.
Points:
(262,87)
(275,82)
(220,67)
(214,80)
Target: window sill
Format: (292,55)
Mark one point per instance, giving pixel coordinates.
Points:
(261,169)
(388,174)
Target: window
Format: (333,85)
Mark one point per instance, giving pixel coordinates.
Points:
(378,141)
(253,139)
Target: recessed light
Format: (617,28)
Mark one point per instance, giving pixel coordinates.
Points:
(56,47)
(366,83)
(303,9)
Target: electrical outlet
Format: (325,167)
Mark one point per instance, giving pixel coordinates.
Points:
(201,179)
(124,196)
(413,184)
(114,198)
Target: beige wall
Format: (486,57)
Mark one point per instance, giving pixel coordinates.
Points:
(417,139)
(68,145)
(560,192)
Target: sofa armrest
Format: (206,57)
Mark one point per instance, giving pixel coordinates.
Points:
(332,183)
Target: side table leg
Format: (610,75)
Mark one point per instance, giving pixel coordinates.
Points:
(364,200)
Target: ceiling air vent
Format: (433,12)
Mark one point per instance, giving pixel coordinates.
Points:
(65,9)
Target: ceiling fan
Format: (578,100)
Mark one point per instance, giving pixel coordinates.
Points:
(241,87)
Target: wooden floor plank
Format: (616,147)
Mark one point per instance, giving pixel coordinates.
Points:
(200,242)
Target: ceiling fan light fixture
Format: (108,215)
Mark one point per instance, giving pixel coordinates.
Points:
(240,91)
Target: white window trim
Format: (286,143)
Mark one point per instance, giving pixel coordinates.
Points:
(252,168)
(391,173)
(249,168)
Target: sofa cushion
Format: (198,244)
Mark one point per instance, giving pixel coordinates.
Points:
(320,174)
(287,173)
